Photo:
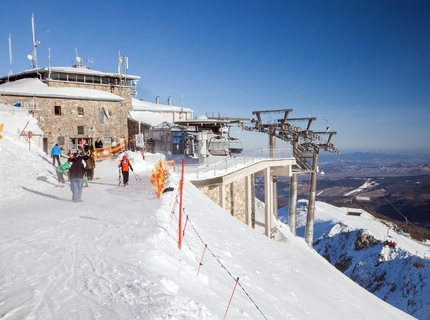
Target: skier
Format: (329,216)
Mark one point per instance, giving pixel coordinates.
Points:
(61,169)
(56,154)
(76,177)
(125,165)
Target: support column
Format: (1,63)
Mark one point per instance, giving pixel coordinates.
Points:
(222,196)
(272,145)
(309,233)
(248,200)
(275,196)
(268,201)
(292,207)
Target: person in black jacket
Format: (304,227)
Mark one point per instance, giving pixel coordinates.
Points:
(76,177)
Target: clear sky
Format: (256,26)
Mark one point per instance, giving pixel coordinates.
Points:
(362,67)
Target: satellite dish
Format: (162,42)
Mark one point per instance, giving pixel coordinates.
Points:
(29,57)
(78,60)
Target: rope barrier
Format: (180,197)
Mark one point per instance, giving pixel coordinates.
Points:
(216,258)
(201,260)
(231,297)
(224,267)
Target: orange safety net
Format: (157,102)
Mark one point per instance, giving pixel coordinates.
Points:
(109,151)
(158,177)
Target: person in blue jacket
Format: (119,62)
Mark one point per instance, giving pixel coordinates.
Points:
(56,154)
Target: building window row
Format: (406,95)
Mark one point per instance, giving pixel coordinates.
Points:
(90,79)
(57,111)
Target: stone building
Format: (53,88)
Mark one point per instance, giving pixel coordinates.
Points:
(73,105)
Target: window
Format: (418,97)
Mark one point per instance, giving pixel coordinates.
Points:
(80,129)
(57,110)
(80,111)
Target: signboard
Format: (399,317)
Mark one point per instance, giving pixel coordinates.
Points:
(139,140)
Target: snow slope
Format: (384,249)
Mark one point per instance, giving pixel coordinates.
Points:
(115,256)
(355,245)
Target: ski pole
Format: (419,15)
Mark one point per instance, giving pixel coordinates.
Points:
(136,176)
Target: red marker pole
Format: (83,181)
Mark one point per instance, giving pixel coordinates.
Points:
(181,188)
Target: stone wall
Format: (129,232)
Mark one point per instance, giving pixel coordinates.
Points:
(234,197)
(61,128)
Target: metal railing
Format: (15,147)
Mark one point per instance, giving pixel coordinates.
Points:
(231,164)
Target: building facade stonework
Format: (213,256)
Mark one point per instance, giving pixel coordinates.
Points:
(81,113)
(235,195)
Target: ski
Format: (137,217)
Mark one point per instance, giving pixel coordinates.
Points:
(119,177)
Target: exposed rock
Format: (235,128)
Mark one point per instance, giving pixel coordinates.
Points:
(364,240)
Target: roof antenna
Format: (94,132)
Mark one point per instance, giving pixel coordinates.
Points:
(182,107)
(78,58)
(10,54)
(33,57)
(90,61)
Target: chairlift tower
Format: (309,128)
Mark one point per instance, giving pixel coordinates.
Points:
(306,145)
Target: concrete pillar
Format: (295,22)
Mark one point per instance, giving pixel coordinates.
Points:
(309,233)
(292,207)
(275,196)
(268,200)
(248,200)
(253,201)
(222,196)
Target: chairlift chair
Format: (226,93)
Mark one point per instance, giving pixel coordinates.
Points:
(218,146)
(418,262)
(235,145)
(389,239)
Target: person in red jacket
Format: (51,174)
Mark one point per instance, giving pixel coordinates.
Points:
(125,165)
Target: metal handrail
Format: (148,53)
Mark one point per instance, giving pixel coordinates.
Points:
(233,163)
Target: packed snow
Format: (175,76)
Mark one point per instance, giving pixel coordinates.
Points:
(116,255)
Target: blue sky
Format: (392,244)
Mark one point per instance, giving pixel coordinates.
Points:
(362,67)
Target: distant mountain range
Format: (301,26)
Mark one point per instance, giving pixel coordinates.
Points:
(398,184)
(376,158)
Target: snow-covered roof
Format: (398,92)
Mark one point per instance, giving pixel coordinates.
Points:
(140,105)
(81,70)
(150,118)
(35,88)
(19,118)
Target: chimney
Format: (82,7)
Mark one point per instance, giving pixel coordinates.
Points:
(157,100)
(169,101)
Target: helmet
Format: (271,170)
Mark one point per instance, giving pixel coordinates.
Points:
(124,157)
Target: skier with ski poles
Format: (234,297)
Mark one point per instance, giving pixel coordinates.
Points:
(125,165)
